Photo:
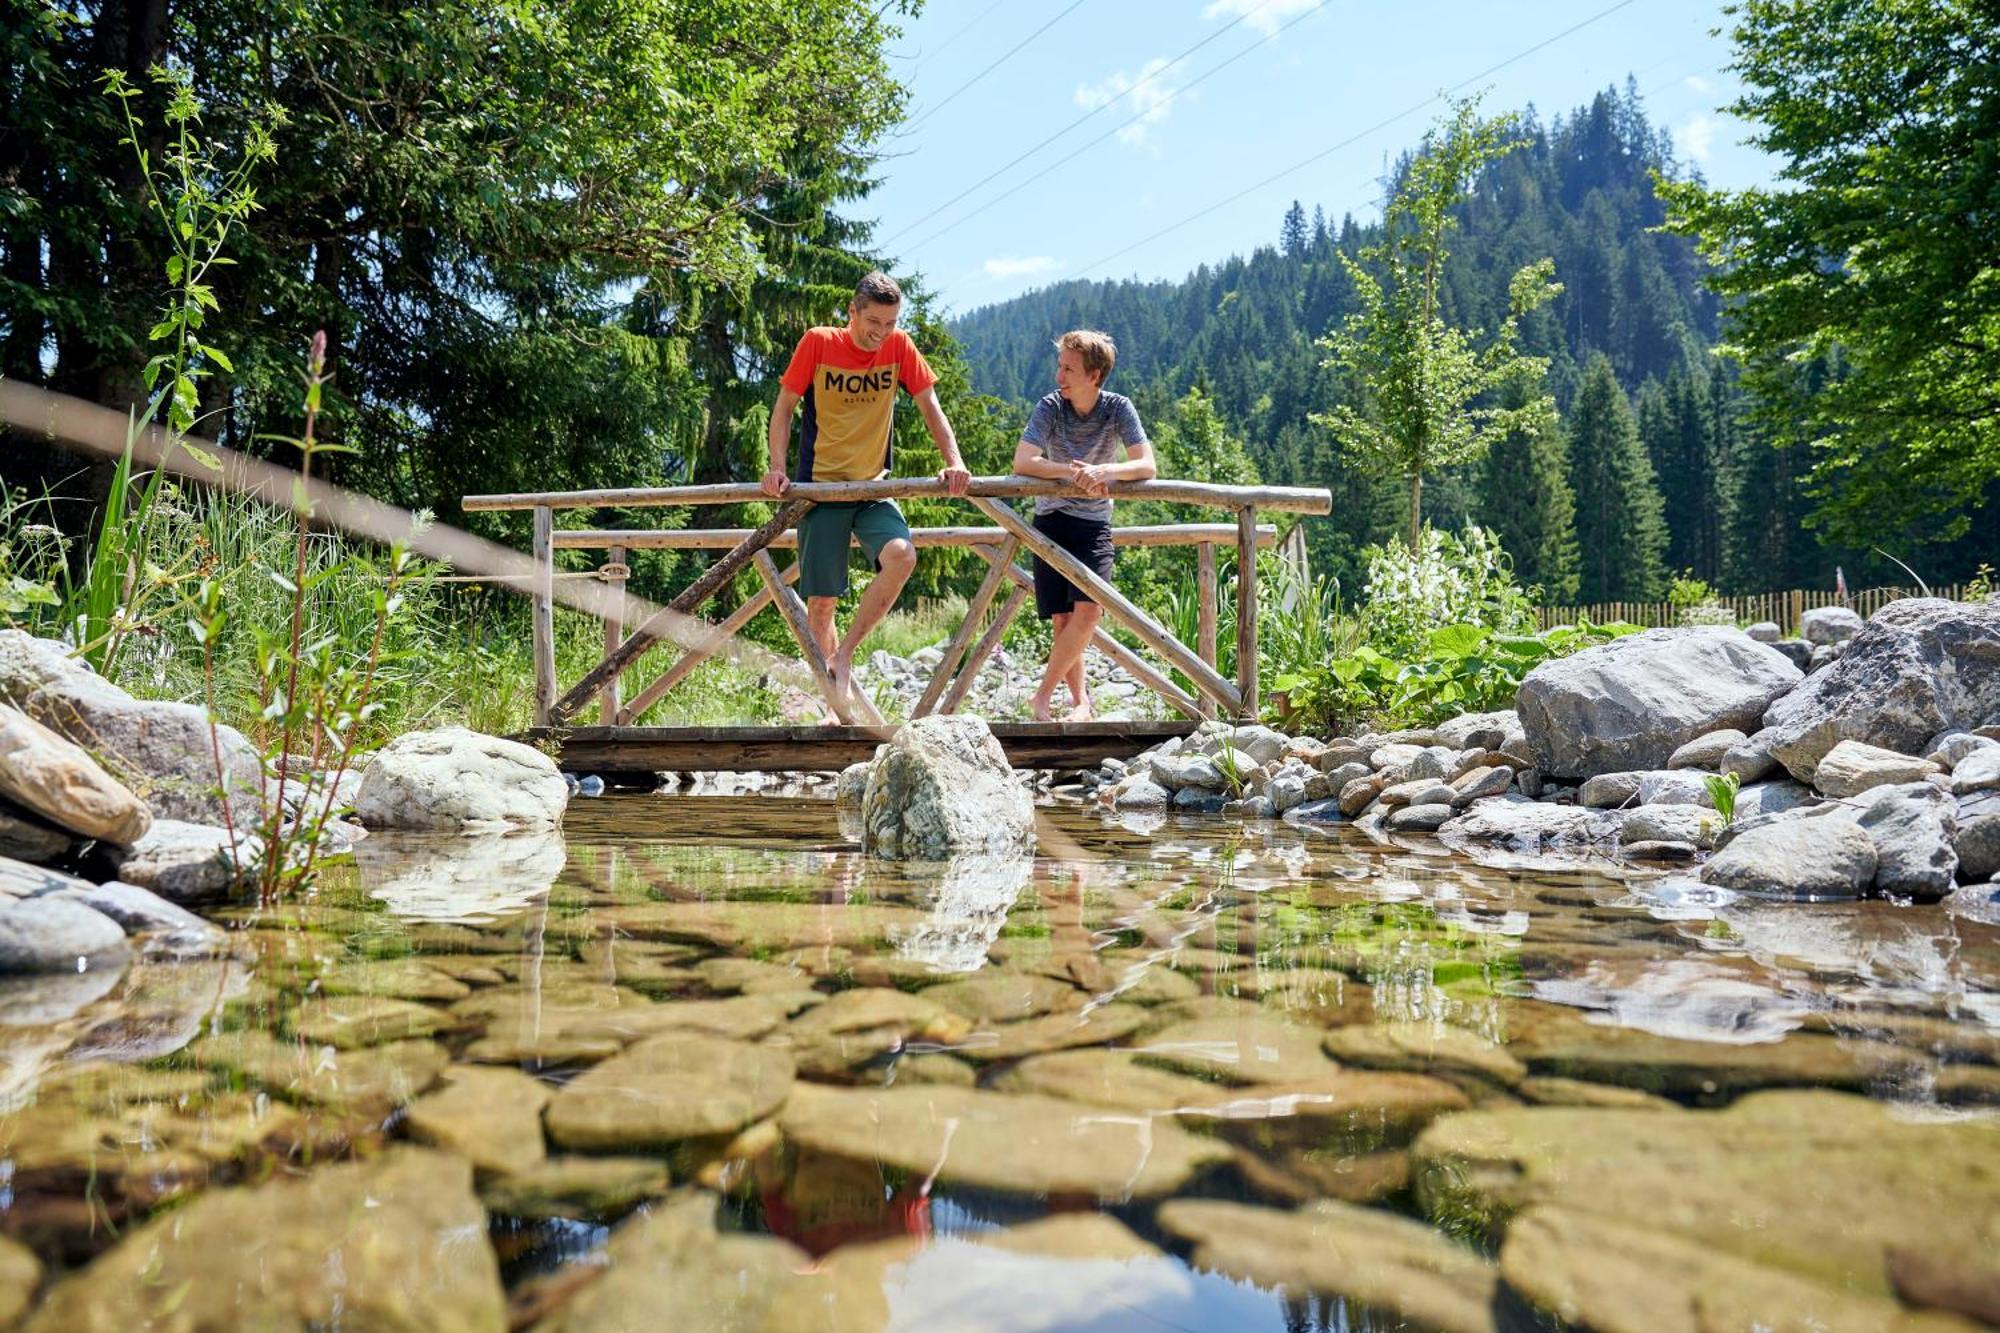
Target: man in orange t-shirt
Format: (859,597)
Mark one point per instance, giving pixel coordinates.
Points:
(847,379)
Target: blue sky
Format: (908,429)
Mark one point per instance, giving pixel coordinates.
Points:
(1302,77)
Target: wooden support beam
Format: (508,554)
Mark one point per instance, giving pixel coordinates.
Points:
(542,631)
(1278,499)
(1205,605)
(614,634)
(709,646)
(975,662)
(721,539)
(961,639)
(795,616)
(1065,745)
(1116,605)
(1135,666)
(1246,615)
(689,601)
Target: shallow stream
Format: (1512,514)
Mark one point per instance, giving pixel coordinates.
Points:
(704,1065)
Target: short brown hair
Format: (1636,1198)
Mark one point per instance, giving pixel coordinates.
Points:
(1099,353)
(878,288)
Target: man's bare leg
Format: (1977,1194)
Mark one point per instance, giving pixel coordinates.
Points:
(1073,631)
(898,559)
(819,619)
(1081,708)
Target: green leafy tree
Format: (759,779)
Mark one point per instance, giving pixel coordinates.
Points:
(1879,240)
(1525,501)
(1428,389)
(1620,534)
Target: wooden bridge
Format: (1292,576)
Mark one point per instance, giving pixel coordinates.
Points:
(619,744)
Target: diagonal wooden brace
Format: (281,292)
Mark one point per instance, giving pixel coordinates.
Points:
(795,617)
(975,661)
(656,626)
(975,612)
(1116,605)
(709,646)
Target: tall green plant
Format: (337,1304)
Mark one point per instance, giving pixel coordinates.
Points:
(1427,389)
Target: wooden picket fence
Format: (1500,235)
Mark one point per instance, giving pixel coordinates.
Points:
(1783,608)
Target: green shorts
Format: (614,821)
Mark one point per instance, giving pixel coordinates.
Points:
(823,535)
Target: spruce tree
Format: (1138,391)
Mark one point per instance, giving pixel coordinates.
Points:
(1621,537)
(1292,235)
(1525,501)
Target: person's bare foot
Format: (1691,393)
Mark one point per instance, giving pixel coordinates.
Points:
(1038,708)
(1083,712)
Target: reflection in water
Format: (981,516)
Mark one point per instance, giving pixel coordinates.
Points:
(1272,1017)
(484,877)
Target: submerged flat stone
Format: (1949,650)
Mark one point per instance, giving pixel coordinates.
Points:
(1370,1257)
(666,1089)
(349,1022)
(1019,1144)
(858,1026)
(395,978)
(1347,1111)
(1822,1186)
(1108,1078)
(1425,1048)
(296,1253)
(490,1117)
(1258,1049)
(20,1274)
(378,1078)
(1004,997)
(576,1188)
(1055,1032)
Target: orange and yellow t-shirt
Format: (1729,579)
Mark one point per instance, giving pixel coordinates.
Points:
(849,399)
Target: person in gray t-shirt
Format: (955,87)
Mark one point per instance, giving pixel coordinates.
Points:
(1074,435)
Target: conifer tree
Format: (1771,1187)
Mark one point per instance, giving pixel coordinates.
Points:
(1621,538)
(1292,235)
(1525,501)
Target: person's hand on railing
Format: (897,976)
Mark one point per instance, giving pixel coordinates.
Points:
(775,483)
(1090,478)
(957,480)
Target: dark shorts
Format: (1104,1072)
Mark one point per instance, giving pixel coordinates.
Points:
(1089,540)
(823,537)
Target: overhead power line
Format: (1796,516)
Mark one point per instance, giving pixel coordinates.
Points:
(1008,55)
(1353,139)
(1097,110)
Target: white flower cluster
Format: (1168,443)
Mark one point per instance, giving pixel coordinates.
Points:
(1448,580)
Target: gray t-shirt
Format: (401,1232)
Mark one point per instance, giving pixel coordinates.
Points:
(1063,436)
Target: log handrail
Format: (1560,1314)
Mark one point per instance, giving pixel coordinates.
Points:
(1278,499)
(722,539)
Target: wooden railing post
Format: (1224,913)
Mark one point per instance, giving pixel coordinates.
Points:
(543,620)
(1206,609)
(614,572)
(975,611)
(1246,610)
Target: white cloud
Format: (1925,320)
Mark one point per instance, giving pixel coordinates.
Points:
(1266,16)
(1147,94)
(1697,83)
(1694,139)
(1020,266)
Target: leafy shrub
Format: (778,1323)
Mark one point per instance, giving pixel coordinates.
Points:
(1447,580)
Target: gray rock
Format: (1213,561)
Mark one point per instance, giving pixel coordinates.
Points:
(1851,767)
(1286,791)
(52,933)
(19,879)
(1772,798)
(1797,651)
(1948,747)
(1825,655)
(1251,807)
(1342,774)
(1765,631)
(1433,761)
(1921,666)
(1142,794)
(1630,703)
(28,837)
(1801,858)
(1912,827)
(1261,743)
(1526,825)
(1402,793)
(1530,782)
(942,785)
(1608,791)
(1315,812)
(851,786)
(1481,783)
(459,779)
(1830,624)
(1484,731)
(160,751)
(1342,753)
(1358,794)
(1674,787)
(1692,824)
(188,863)
(1199,801)
(1197,771)
(1392,756)
(1978,771)
(1751,759)
(1707,751)
(55,778)
(1660,851)
(1435,793)
(138,911)
(1978,840)
(1418,818)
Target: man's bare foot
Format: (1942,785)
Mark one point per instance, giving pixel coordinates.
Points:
(1038,708)
(1083,712)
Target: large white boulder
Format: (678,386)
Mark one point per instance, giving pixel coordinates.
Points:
(941,786)
(1629,704)
(162,751)
(1830,624)
(459,779)
(1921,666)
